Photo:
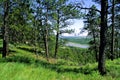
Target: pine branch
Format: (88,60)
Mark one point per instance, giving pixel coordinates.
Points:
(88,8)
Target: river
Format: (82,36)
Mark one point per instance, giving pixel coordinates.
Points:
(77,45)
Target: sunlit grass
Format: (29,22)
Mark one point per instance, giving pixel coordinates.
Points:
(21,71)
(0,55)
(43,70)
(25,65)
(1,42)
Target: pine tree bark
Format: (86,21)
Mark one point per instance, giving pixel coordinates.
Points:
(112,42)
(46,35)
(5,29)
(103,30)
(57,36)
(56,45)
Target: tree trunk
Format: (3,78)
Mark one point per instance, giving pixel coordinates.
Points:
(5,29)
(46,43)
(57,36)
(46,36)
(112,42)
(103,30)
(96,52)
(56,45)
(35,37)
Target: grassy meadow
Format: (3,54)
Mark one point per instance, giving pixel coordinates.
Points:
(23,64)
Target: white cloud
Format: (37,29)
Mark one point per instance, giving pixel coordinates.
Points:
(77,26)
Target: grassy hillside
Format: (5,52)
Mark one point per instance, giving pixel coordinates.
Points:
(24,65)
(21,71)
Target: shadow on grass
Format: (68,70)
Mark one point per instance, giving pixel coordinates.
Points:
(1,50)
(29,49)
(10,51)
(56,67)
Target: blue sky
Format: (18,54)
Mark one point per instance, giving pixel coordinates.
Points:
(78,23)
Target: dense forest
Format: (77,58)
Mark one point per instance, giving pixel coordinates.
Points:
(31,40)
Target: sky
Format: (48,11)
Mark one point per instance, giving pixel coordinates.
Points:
(76,26)
(78,23)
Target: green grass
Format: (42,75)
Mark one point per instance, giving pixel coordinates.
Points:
(1,43)
(22,64)
(22,71)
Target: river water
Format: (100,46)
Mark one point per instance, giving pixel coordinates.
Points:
(77,45)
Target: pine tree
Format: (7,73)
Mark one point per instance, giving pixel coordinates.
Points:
(92,26)
(113,19)
(6,7)
(63,13)
(103,30)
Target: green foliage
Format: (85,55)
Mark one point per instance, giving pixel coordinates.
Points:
(77,55)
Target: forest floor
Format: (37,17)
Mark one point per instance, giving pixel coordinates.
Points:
(25,65)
